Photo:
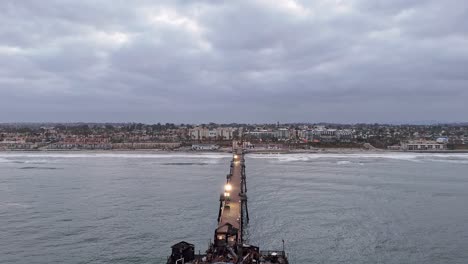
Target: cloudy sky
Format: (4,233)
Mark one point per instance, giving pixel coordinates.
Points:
(234,61)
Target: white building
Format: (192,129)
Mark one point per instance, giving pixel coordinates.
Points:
(442,140)
(262,133)
(203,133)
(330,135)
(205,147)
(225,133)
(282,134)
(423,145)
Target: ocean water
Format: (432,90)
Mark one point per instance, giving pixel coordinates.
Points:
(83,207)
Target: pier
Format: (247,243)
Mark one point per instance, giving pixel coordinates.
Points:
(229,244)
(233,211)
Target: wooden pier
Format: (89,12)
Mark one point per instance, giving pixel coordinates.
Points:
(229,244)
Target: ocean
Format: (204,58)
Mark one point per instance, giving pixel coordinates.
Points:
(130,207)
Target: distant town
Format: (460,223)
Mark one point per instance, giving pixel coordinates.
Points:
(218,137)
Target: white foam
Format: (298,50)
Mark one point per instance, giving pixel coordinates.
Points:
(449,161)
(42,155)
(45,157)
(14,205)
(38,161)
(343,162)
(413,157)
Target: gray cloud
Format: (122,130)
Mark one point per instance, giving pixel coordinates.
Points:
(234,61)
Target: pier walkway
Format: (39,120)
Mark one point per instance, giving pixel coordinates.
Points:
(232,204)
(229,245)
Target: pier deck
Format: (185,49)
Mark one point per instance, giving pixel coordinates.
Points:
(229,245)
(232,209)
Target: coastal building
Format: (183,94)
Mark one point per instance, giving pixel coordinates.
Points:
(204,133)
(88,146)
(303,134)
(225,133)
(443,140)
(147,145)
(262,133)
(423,145)
(394,147)
(16,144)
(329,135)
(345,135)
(282,134)
(205,147)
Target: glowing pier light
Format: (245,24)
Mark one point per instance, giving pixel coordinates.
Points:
(226,194)
(235,156)
(228,187)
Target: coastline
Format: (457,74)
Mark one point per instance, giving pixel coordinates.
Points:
(228,150)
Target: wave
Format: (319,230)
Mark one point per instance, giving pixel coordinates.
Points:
(38,161)
(343,162)
(114,155)
(185,163)
(15,205)
(448,161)
(42,158)
(413,157)
(38,168)
(34,161)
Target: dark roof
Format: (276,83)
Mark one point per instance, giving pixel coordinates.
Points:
(227,229)
(182,245)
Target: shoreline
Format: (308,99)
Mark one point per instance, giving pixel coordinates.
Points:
(226,150)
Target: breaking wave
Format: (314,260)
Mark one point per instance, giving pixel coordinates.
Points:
(460,158)
(37,168)
(343,162)
(37,161)
(185,163)
(212,158)
(113,155)
(13,205)
(449,161)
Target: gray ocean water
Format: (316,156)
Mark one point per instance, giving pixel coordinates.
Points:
(329,208)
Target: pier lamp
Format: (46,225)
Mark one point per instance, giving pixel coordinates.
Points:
(228,187)
(226,194)
(235,156)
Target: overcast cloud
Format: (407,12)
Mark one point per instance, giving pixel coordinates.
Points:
(234,61)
